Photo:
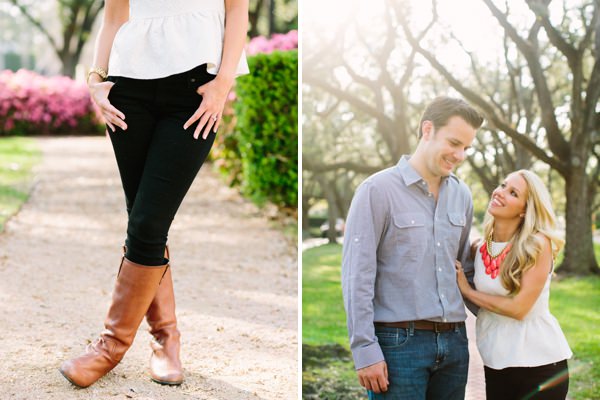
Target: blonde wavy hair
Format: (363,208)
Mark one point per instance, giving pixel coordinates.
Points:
(526,244)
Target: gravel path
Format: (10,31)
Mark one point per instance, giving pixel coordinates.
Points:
(235,280)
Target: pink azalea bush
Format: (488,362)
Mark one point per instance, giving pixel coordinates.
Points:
(34,104)
(279,41)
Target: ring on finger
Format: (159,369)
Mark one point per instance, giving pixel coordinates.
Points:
(214,118)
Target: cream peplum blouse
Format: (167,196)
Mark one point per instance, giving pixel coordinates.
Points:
(506,342)
(167,37)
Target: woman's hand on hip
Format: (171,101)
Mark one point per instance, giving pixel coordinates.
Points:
(209,113)
(113,117)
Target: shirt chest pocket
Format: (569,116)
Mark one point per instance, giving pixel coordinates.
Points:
(456,224)
(410,234)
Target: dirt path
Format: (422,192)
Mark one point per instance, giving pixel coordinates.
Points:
(235,280)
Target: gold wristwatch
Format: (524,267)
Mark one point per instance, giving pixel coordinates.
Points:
(101,72)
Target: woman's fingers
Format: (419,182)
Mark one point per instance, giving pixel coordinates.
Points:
(113,115)
(192,119)
(113,110)
(116,120)
(113,118)
(195,116)
(458,266)
(217,123)
(205,125)
(208,114)
(201,123)
(209,126)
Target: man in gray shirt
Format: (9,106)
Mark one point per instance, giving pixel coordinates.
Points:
(406,227)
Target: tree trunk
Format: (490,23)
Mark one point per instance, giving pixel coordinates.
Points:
(579,249)
(305,221)
(69,62)
(332,211)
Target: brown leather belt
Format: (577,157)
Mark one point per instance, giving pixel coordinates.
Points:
(423,325)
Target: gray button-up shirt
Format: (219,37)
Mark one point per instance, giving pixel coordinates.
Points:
(399,251)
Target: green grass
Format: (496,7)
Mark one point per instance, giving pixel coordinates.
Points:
(327,364)
(323,315)
(575,302)
(327,368)
(17,157)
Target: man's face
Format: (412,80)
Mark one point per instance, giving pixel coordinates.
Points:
(445,147)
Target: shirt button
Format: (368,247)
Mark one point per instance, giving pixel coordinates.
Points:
(442,296)
(438,244)
(355,240)
(429,194)
(439,269)
(412,222)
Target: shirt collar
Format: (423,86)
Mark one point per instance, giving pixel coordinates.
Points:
(411,176)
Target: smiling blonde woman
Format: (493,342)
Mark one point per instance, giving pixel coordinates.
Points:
(524,351)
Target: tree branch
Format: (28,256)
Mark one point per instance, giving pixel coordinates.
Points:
(37,24)
(348,165)
(474,98)
(556,141)
(349,98)
(540,9)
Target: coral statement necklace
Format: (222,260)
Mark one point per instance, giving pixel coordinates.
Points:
(492,261)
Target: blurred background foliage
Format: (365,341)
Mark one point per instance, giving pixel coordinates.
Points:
(531,67)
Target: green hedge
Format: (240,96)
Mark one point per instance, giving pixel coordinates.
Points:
(261,154)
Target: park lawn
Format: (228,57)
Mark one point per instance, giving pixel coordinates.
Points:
(327,363)
(17,157)
(327,367)
(323,315)
(575,302)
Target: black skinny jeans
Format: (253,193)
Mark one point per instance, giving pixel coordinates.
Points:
(158,160)
(546,382)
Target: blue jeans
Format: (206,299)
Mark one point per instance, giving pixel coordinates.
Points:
(424,364)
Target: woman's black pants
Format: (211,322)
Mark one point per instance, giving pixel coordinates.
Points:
(546,382)
(158,160)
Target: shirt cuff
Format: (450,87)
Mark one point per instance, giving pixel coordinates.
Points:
(367,355)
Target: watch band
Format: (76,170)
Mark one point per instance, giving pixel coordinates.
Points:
(101,72)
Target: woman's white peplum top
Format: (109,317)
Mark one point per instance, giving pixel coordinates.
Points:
(506,342)
(167,37)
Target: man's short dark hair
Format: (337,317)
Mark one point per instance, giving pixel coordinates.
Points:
(442,108)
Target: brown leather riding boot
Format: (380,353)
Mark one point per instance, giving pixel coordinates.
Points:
(135,288)
(165,366)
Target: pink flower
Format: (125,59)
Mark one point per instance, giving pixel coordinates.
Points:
(44,104)
(278,41)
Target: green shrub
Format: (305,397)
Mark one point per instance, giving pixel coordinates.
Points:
(262,152)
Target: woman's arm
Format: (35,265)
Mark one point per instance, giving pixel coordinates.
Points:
(236,27)
(517,306)
(116,13)
(214,93)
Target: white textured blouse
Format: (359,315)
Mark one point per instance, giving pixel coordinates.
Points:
(166,37)
(506,342)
